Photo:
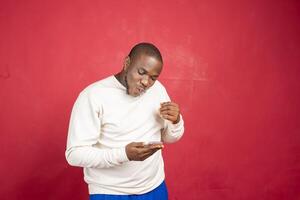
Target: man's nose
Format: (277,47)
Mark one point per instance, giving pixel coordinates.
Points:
(145,81)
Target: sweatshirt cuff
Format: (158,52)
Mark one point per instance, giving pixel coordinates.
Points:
(122,156)
(177,125)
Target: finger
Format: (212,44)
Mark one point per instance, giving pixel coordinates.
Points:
(165,103)
(148,154)
(169,112)
(156,146)
(169,104)
(170,117)
(150,148)
(169,107)
(144,149)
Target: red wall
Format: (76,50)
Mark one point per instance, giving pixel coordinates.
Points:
(232,65)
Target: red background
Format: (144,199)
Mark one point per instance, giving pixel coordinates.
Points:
(233,66)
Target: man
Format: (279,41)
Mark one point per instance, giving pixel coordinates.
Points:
(117,127)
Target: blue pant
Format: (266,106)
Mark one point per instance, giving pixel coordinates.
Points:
(159,193)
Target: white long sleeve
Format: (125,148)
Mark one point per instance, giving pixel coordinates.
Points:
(96,158)
(173,132)
(84,132)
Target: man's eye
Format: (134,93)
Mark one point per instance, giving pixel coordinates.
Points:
(153,78)
(141,72)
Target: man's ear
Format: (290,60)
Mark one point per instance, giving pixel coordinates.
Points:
(126,63)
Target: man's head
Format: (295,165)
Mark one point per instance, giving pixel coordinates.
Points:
(141,68)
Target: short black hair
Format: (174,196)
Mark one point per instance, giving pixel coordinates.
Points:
(145,48)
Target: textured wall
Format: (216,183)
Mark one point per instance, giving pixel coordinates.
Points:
(232,65)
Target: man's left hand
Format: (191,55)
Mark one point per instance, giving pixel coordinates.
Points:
(170,111)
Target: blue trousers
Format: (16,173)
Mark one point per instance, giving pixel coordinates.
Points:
(159,193)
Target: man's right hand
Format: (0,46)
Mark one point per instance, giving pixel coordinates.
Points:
(138,151)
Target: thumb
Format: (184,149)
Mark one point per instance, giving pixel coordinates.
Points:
(137,144)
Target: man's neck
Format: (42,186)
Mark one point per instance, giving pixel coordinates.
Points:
(121,78)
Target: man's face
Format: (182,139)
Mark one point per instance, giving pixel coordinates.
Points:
(141,74)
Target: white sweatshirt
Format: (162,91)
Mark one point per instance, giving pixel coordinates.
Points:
(104,120)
